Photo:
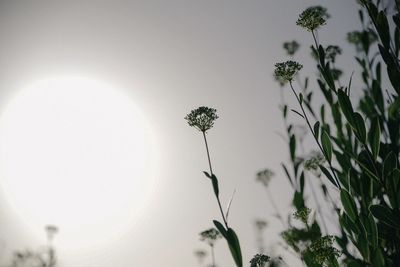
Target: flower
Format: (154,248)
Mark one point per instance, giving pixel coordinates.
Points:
(264,176)
(360,39)
(259,260)
(210,236)
(200,255)
(312,18)
(302,214)
(291,47)
(287,70)
(323,251)
(315,159)
(332,51)
(202,118)
(261,224)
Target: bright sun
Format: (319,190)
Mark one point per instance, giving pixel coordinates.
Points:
(76,153)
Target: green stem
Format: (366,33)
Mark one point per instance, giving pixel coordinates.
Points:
(211,173)
(312,132)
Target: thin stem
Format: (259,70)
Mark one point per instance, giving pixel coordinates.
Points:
(312,132)
(212,256)
(274,206)
(315,41)
(211,173)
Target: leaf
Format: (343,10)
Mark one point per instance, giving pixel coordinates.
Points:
(287,173)
(373,230)
(298,113)
(292,146)
(229,205)
(220,228)
(385,215)
(327,146)
(234,247)
(328,175)
(359,126)
(348,204)
(346,106)
(316,130)
(374,137)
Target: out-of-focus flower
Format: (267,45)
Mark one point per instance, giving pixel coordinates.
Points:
(260,224)
(358,39)
(51,230)
(202,118)
(210,236)
(264,176)
(332,51)
(313,17)
(291,47)
(200,255)
(259,260)
(322,250)
(314,160)
(287,70)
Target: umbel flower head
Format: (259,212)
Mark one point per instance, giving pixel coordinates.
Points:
(322,250)
(287,70)
(202,118)
(260,224)
(264,176)
(313,17)
(315,159)
(291,47)
(210,236)
(259,260)
(302,214)
(332,51)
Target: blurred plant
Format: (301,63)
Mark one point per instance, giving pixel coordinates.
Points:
(260,226)
(259,260)
(211,236)
(291,47)
(200,255)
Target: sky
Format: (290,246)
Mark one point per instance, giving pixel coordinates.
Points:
(169,57)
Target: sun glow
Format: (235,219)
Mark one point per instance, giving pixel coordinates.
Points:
(78,154)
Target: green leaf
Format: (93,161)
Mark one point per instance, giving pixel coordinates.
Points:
(214,181)
(234,247)
(287,173)
(373,230)
(346,106)
(359,126)
(327,146)
(378,259)
(220,228)
(348,204)
(385,215)
(374,137)
(292,146)
(316,130)
(328,175)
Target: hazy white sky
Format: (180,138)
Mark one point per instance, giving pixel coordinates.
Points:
(170,57)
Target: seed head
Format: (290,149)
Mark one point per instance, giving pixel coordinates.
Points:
(202,118)
(287,70)
(313,17)
(259,260)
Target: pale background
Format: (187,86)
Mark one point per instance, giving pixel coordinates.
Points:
(170,57)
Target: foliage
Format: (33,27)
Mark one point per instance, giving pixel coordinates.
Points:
(356,165)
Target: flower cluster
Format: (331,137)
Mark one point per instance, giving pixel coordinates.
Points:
(286,71)
(264,176)
(323,251)
(200,255)
(315,159)
(202,118)
(313,17)
(210,236)
(302,214)
(357,38)
(332,51)
(259,260)
(291,47)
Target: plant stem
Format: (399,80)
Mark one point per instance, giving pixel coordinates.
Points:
(211,173)
(312,132)
(212,256)
(274,206)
